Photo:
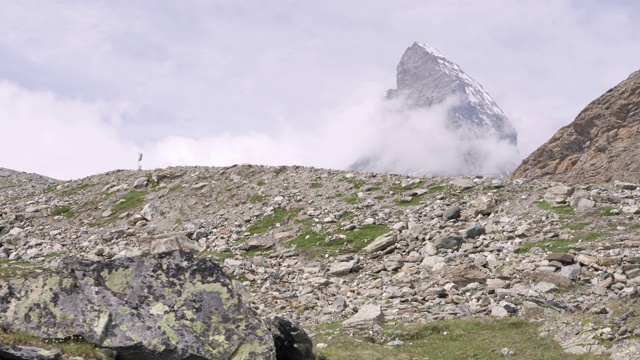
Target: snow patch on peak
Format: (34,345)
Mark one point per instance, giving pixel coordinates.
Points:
(430,49)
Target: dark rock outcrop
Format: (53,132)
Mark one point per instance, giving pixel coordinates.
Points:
(166,306)
(600,145)
(292,342)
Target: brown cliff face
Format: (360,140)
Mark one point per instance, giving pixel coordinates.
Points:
(602,144)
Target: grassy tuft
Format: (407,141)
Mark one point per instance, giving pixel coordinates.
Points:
(132,200)
(313,244)
(561,245)
(357,184)
(481,339)
(560,209)
(70,348)
(266,223)
(63,210)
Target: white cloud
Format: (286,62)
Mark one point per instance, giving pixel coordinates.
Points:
(221,75)
(59,138)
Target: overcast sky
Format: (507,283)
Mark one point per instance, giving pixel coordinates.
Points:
(86,85)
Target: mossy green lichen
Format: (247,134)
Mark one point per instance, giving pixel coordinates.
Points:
(117,280)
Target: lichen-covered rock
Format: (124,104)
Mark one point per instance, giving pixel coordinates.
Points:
(165,306)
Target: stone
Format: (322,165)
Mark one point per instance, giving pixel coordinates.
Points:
(585,204)
(561,257)
(558,194)
(341,268)
(132,305)
(381,242)
(451,213)
(474,230)
(485,204)
(27,353)
(448,242)
(461,184)
(368,314)
(140,182)
(291,341)
(586,260)
(463,275)
(149,211)
(544,287)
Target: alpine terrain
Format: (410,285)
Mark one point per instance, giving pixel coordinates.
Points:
(600,145)
(441,105)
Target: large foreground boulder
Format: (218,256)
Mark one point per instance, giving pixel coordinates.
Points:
(165,306)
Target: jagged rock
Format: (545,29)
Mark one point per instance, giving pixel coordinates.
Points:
(451,213)
(368,314)
(291,341)
(149,211)
(448,242)
(168,306)
(600,145)
(474,230)
(381,242)
(558,194)
(463,275)
(341,268)
(485,204)
(561,257)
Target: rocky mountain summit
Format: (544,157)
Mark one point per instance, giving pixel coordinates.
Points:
(351,257)
(600,145)
(427,79)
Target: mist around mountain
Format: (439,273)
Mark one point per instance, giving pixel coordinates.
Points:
(441,121)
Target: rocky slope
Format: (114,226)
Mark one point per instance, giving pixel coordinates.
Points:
(360,249)
(426,79)
(600,145)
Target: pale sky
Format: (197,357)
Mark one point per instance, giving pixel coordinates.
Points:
(86,85)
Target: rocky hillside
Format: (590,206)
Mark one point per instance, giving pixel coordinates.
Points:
(365,251)
(600,145)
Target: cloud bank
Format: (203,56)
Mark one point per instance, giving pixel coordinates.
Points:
(72,139)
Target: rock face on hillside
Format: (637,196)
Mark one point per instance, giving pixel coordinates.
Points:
(167,306)
(470,119)
(600,145)
(338,253)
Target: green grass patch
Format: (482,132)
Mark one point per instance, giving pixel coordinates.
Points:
(352,199)
(607,211)
(316,185)
(49,189)
(263,225)
(64,211)
(576,225)
(398,188)
(70,347)
(152,183)
(418,198)
(257,199)
(174,188)
(313,244)
(129,201)
(560,209)
(561,245)
(481,339)
(16,268)
(357,184)
(76,189)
